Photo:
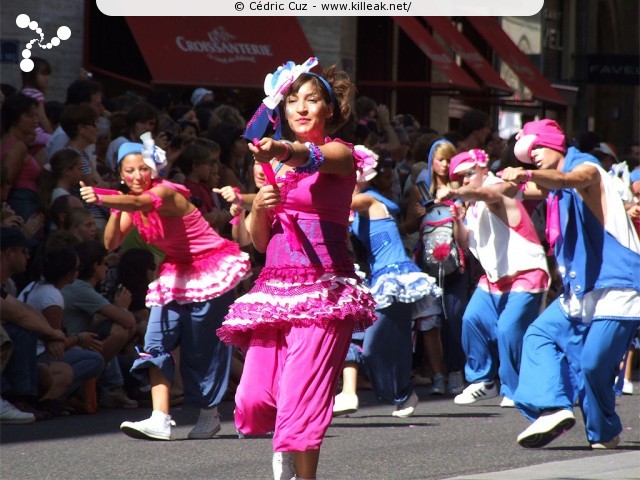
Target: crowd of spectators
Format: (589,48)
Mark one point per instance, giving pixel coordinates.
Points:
(73,314)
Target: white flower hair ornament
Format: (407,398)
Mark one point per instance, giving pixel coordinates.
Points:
(367,161)
(276,85)
(152,155)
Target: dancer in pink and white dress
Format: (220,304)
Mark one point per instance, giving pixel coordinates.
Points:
(188,300)
(295,324)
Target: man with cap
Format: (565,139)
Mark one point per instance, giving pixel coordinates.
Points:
(501,236)
(572,351)
(201,95)
(23,325)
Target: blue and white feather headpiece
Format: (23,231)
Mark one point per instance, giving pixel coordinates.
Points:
(276,85)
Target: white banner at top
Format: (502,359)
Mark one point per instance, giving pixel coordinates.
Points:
(316,8)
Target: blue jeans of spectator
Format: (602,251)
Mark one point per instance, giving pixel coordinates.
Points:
(20,376)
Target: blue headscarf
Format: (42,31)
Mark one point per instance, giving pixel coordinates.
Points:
(425,175)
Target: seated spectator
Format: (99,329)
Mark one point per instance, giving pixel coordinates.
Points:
(23,325)
(59,267)
(59,210)
(66,172)
(81,223)
(195,162)
(111,325)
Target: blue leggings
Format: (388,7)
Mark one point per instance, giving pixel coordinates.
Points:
(204,359)
(493,327)
(565,360)
(387,353)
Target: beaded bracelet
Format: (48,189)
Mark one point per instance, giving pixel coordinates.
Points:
(288,154)
(314,162)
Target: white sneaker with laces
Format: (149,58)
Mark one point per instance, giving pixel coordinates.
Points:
(475,392)
(547,428)
(507,403)
(207,426)
(9,414)
(345,403)
(456,383)
(284,466)
(407,408)
(156,427)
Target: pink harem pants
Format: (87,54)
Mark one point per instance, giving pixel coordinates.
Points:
(288,384)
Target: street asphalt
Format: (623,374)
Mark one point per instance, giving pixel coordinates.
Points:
(441,441)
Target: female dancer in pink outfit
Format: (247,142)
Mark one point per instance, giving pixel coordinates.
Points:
(295,324)
(188,300)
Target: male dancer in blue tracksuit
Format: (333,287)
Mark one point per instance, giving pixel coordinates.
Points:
(572,351)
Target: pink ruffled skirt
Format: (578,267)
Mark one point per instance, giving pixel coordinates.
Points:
(284,296)
(200,278)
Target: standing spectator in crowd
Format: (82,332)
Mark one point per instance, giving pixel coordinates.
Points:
(441,333)
(501,236)
(188,300)
(34,85)
(572,351)
(201,94)
(87,92)
(295,324)
(473,128)
(141,118)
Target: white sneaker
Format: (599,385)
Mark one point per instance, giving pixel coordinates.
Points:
(438,385)
(284,466)
(207,426)
(345,403)
(507,403)
(456,383)
(475,392)
(547,428)
(407,408)
(627,387)
(9,414)
(613,443)
(156,427)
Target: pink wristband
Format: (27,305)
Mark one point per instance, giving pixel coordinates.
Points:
(528,176)
(100,199)
(523,184)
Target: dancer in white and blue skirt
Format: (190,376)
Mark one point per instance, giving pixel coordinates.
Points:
(572,351)
(398,287)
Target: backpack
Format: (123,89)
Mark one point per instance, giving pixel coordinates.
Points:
(438,254)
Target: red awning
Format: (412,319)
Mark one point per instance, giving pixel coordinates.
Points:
(443,60)
(463,47)
(217,51)
(496,37)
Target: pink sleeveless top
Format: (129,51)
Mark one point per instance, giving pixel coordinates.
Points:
(29,173)
(200,265)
